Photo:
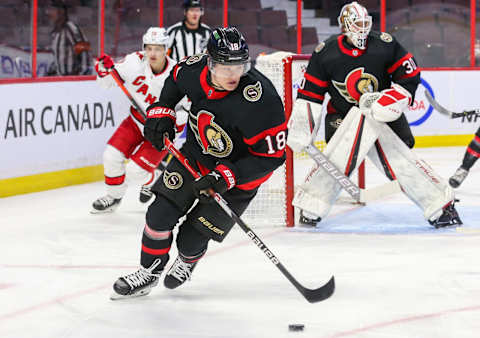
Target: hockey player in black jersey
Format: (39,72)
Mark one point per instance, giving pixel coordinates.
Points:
(236,138)
(371,80)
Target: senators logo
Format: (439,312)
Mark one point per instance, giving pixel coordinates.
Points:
(172,180)
(253,92)
(210,136)
(357,82)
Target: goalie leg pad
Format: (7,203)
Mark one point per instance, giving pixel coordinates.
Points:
(417,179)
(301,123)
(346,150)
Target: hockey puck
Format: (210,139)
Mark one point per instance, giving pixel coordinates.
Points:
(296,327)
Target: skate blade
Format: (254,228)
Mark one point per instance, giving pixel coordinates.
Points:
(116,296)
(106,211)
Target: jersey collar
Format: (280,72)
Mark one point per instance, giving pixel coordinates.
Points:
(210,92)
(354,52)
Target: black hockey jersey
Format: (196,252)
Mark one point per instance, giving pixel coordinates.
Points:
(346,72)
(245,127)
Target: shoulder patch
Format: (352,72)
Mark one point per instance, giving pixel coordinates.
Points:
(253,92)
(319,47)
(386,37)
(194,59)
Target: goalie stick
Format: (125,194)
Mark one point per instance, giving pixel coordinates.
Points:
(325,163)
(445,111)
(313,296)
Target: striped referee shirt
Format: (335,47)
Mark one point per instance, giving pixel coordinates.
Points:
(70,50)
(186,42)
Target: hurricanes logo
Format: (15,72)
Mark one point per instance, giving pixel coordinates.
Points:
(172,180)
(210,136)
(253,92)
(357,82)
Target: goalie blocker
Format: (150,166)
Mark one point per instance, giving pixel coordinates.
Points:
(360,136)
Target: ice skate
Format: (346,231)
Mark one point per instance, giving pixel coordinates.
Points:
(105,204)
(448,217)
(308,219)
(146,189)
(458,177)
(137,284)
(179,273)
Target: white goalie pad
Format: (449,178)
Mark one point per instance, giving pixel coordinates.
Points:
(346,150)
(416,178)
(300,125)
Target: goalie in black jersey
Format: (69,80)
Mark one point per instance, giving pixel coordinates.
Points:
(371,80)
(236,138)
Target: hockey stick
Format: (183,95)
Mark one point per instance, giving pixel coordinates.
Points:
(445,111)
(325,163)
(310,295)
(119,82)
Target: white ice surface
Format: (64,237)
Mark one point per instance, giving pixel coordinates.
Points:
(396,276)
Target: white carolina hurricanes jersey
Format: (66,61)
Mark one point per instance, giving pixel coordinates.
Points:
(141,82)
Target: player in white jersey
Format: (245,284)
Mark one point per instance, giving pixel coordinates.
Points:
(143,74)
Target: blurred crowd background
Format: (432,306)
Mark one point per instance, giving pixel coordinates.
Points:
(436,32)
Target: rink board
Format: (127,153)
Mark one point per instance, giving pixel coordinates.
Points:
(60,129)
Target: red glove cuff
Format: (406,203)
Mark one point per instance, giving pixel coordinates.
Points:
(227,174)
(159,112)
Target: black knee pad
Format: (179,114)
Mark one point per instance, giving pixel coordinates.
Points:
(162,214)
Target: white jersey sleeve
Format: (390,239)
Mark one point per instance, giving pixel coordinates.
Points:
(140,81)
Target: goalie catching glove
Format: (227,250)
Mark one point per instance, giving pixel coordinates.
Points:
(387,105)
(220,180)
(160,122)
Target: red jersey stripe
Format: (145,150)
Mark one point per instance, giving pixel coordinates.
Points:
(272,132)
(315,80)
(254,184)
(399,63)
(311,94)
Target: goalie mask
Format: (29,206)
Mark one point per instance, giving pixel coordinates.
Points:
(156,36)
(356,23)
(228,53)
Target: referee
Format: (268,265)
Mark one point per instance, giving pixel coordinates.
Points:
(190,36)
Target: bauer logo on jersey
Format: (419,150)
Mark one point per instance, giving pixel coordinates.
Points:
(172,180)
(386,37)
(194,59)
(357,82)
(210,136)
(253,92)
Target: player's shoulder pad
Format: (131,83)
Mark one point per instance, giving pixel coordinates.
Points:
(257,90)
(383,37)
(325,45)
(193,60)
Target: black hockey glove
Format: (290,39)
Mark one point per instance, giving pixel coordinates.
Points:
(160,121)
(221,179)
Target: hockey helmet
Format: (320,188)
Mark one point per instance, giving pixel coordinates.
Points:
(227,46)
(156,36)
(191,3)
(356,23)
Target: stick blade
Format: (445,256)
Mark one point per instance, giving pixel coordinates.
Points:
(322,293)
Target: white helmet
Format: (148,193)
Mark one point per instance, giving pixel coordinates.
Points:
(355,23)
(156,36)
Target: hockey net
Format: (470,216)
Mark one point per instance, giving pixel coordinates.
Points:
(273,204)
